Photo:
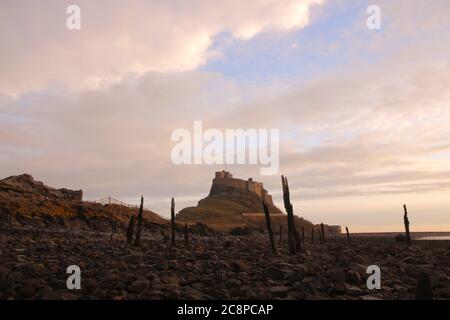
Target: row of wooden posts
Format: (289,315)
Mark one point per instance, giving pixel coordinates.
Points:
(295,240)
(136,240)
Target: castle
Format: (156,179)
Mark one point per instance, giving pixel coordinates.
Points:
(225,178)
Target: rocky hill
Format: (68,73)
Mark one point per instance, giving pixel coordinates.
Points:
(25,202)
(229,206)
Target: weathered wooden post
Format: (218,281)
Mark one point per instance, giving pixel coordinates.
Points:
(130,230)
(348,236)
(137,241)
(269,228)
(303,234)
(186,235)
(320,235)
(406,221)
(423,290)
(281,233)
(323,233)
(293,241)
(172,219)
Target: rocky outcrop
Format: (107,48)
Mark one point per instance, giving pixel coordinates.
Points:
(25,202)
(231,205)
(25,186)
(249,200)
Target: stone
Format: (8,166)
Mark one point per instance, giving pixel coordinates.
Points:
(353,290)
(49,294)
(162,264)
(138,286)
(278,289)
(193,294)
(370,297)
(172,264)
(337,274)
(239,266)
(274,273)
(27,291)
(354,277)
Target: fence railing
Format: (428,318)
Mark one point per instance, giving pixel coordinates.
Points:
(111,200)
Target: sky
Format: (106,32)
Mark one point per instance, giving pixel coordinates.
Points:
(364,115)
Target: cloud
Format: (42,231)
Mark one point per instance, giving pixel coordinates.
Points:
(375,127)
(119,37)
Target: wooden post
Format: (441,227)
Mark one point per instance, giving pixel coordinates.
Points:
(303,234)
(137,241)
(130,230)
(323,233)
(172,219)
(406,221)
(292,233)
(423,290)
(320,235)
(281,233)
(348,236)
(269,228)
(186,235)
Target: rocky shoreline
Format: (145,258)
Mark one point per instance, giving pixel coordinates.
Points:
(33,265)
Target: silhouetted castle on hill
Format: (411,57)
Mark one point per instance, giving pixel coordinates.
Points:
(225,178)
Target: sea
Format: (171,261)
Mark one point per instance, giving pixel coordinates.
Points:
(434,238)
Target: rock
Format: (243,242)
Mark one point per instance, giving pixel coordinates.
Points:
(274,273)
(337,274)
(359,259)
(193,294)
(27,291)
(48,294)
(400,238)
(172,290)
(369,297)
(233,282)
(70,296)
(162,264)
(354,277)
(138,286)
(353,290)
(278,289)
(172,264)
(298,272)
(133,259)
(173,280)
(240,232)
(423,289)
(411,270)
(119,265)
(239,266)
(31,269)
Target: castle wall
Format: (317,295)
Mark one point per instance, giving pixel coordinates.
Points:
(227,182)
(226,179)
(255,187)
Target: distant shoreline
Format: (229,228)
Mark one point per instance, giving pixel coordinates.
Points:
(393,234)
